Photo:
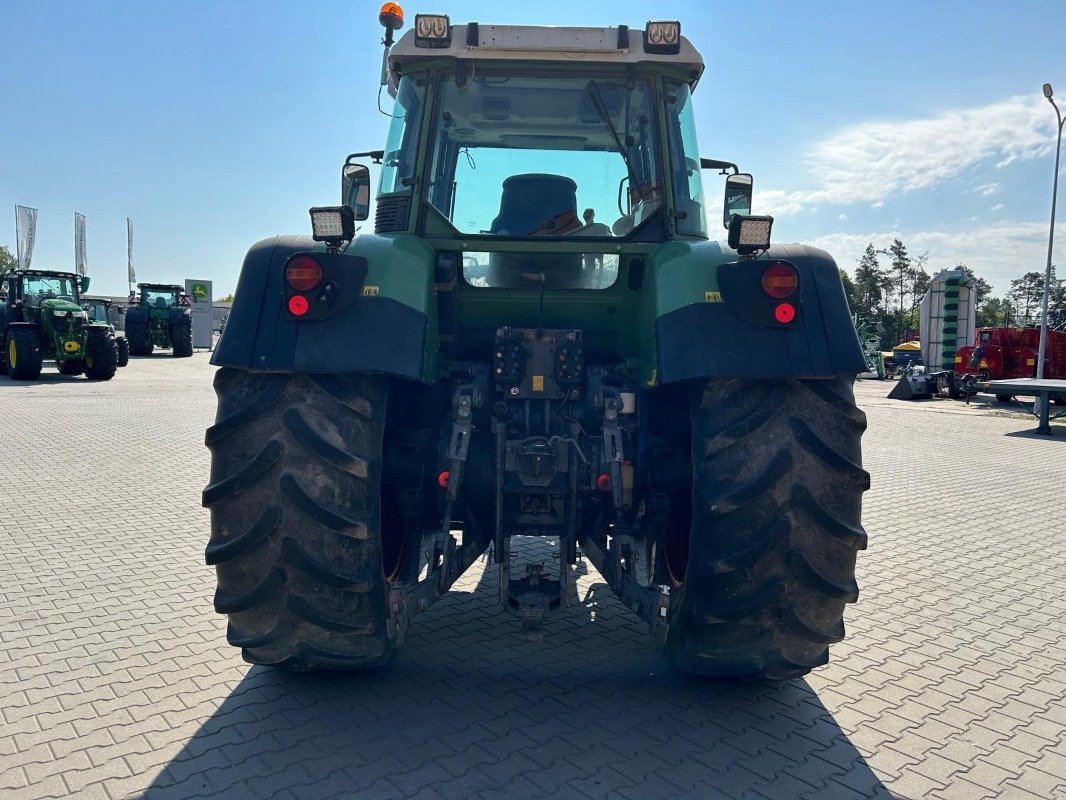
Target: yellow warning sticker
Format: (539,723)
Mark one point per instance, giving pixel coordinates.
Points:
(713,297)
(958,359)
(538,383)
(371,291)
(1030,362)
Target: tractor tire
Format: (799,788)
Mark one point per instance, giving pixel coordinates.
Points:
(1060,401)
(123,345)
(1004,398)
(181,340)
(776,499)
(74,366)
(22,349)
(295,501)
(140,340)
(101,357)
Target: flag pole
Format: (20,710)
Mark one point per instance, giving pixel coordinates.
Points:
(18,240)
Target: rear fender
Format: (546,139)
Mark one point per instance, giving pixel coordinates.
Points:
(726,329)
(383,319)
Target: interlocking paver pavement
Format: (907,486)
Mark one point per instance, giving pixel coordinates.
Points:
(115,679)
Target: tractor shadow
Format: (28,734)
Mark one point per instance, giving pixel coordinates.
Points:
(1058,434)
(470,710)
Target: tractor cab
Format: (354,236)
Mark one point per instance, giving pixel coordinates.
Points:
(160,296)
(31,290)
(98,309)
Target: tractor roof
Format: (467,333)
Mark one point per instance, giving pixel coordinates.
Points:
(45,273)
(613,46)
(172,286)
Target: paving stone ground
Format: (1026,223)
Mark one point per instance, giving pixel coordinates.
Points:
(116,681)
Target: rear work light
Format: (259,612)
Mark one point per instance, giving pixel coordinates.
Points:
(780,280)
(303,274)
(432,30)
(663,37)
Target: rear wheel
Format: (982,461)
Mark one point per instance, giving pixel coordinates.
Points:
(23,353)
(181,340)
(295,518)
(778,483)
(140,339)
(101,357)
(123,350)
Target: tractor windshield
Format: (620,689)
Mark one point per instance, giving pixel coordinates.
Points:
(36,288)
(160,298)
(545,156)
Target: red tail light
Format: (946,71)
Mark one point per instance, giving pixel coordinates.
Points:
(303,274)
(785,313)
(780,281)
(298,305)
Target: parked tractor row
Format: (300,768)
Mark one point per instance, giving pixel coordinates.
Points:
(44,315)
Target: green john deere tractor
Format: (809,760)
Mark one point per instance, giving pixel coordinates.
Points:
(99,310)
(42,318)
(538,339)
(161,319)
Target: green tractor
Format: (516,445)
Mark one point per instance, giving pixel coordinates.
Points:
(160,318)
(42,318)
(538,339)
(99,310)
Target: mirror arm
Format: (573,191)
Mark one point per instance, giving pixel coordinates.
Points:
(710,163)
(375,155)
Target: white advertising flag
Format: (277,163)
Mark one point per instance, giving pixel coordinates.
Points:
(81,263)
(129,249)
(25,232)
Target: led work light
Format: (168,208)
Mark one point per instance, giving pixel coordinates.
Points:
(662,37)
(432,30)
(333,225)
(749,235)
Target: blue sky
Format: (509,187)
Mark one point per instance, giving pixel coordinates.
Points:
(215,124)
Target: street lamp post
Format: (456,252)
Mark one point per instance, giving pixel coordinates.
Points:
(1050,239)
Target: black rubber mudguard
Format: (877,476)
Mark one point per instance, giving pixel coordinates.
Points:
(365,334)
(739,337)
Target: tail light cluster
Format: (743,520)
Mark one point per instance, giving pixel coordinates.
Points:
(303,274)
(780,281)
(318,285)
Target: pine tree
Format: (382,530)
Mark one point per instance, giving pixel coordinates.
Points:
(869,284)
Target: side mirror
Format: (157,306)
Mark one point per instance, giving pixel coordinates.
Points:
(84,283)
(738,189)
(355,189)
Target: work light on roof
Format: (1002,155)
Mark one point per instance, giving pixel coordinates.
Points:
(432,30)
(662,37)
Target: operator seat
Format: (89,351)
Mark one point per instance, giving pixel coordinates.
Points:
(539,205)
(160,302)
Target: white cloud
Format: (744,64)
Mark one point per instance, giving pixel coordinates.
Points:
(842,217)
(997,207)
(998,253)
(872,161)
